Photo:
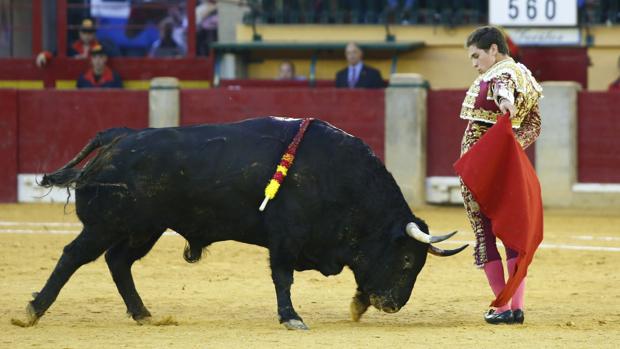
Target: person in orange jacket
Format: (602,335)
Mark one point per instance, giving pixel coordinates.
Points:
(80,49)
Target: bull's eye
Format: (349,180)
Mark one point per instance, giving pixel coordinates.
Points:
(407,262)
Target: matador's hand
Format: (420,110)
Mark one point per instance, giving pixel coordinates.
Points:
(506,106)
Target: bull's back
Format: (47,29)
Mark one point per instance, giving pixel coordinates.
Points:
(213,175)
(172,174)
(189,161)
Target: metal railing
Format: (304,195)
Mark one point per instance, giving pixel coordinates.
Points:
(426,12)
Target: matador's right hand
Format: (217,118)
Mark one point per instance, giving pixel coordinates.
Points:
(506,106)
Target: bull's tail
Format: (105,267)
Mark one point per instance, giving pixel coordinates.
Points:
(67,176)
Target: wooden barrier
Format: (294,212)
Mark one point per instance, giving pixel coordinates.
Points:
(55,125)
(8,145)
(445,131)
(40,130)
(359,112)
(245,83)
(598,144)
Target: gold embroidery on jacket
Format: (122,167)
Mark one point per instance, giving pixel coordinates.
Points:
(510,75)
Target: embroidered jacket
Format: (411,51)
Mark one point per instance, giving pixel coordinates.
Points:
(505,80)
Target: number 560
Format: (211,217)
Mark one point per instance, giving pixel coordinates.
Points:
(531,10)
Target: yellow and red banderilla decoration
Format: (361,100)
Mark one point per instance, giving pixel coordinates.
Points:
(285,163)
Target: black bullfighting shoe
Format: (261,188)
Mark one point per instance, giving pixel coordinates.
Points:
(519,316)
(499,318)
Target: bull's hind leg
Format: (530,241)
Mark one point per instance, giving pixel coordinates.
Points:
(120,258)
(86,247)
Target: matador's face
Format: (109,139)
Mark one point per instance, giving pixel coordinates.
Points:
(482,59)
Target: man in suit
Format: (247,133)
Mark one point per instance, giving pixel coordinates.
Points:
(358,74)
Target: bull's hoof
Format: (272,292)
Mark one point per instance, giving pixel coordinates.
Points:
(31,317)
(358,308)
(295,324)
(147,320)
(142,317)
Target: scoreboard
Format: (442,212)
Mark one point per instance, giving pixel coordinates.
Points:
(533,13)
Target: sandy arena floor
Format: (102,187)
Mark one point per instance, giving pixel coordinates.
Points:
(227,300)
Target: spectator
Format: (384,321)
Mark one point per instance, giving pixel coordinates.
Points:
(287,71)
(404,9)
(99,75)
(357,74)
(178,15)
(166,45)
(206,26)
(615,86)
(80,48)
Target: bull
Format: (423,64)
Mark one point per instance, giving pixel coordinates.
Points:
(338,207)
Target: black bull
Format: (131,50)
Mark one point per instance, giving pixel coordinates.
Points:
(337,207)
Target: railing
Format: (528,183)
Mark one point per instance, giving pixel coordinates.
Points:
(600,12)
(16,39)
(124,27)
(133,28)
(427,12)
(449,12)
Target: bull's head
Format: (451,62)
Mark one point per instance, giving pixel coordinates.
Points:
(388,283)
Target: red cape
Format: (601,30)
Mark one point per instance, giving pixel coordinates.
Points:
(504,183)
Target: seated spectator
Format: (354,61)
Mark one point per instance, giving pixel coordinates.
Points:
(287,72)
(358,74)
(615,86)
(404,9)
(178,14)
(206,26)
(99,75)
(166,46)
(80,48)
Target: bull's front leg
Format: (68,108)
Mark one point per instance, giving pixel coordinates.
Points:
(282,276)
(359,305)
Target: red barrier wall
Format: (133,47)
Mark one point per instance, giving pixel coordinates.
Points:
(598,154)
(8,145)
(55,125)
(245,83)
(359,112)
(557,63)
(445,132)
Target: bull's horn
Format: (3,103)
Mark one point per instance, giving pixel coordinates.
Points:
(414,231)
(444,253)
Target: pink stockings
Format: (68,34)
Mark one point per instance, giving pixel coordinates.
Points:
(494,271)
(519,297)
